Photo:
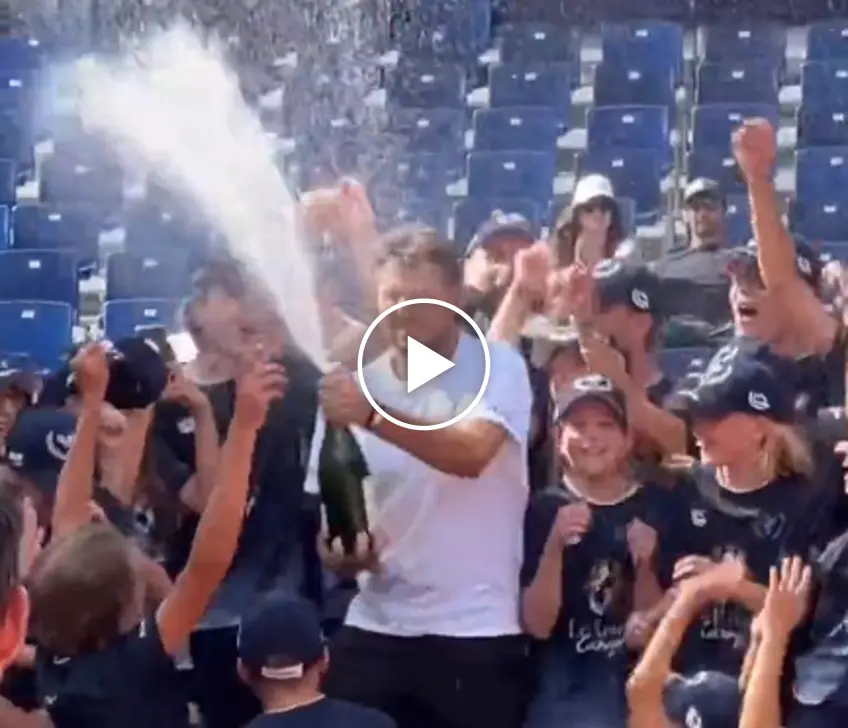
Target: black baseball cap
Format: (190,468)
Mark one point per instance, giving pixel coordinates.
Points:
(38,445)
(18,374)
(618,283)
(500,226)
(743,262)
(707,699)
(593,388)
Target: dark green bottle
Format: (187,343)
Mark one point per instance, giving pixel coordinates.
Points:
(342,471)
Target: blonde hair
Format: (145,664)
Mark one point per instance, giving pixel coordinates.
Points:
(785,452)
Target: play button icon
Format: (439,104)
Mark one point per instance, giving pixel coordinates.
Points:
(432,391)
(423,364)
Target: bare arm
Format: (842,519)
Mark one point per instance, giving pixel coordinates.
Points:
(512,314)
(206,457)
(128,461)
(542,599)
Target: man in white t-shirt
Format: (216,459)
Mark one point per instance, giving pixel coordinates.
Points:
(433,636)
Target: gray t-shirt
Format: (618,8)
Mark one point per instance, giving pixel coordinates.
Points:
(696,283)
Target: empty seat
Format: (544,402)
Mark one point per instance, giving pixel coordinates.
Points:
(65,181)
(149,229)
(534,84)
(5,227)
(446,30)
(634,173)
(19,54)
(8,182)
(528,42)
(827,40)
(31,275)
(646,44)
(741,82)
(40,329)
(125,318)
(737,219)
(472,212)
(823,219)
(713,125)
(51,227)
(17,140)
(517,128)
(428,130)
(527,175)
(821,172)
(822,127)
(433,212)
(735,42)
(163,274)
(717,164)
(620,84)
(630,127)
(825,84)
(833,250)
(425,84)
(421,174)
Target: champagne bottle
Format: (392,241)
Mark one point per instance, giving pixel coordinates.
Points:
(342,471)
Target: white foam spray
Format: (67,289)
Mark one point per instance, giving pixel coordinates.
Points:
(174,106)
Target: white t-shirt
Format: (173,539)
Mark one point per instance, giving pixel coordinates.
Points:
(454,550)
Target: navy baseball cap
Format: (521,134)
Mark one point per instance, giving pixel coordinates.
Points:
(743,262)
(593,388)
(624,284)
(745,376)
(500,226)
(282,638)
(138,373)
(707,699)
(18,375)
(38,444)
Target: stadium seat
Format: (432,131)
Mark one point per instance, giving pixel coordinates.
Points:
(506,129)
(472,212)
(531,42)
(433,211)
(827,40)
(717,164)
(418,174)
(825,84)
(645,44)
(635,84)
(42,329)
(526,175)
(51,227)
(822,127)
(428,130)
(5,227)
(443,29)
(819,171)
(676,362)
(8,182)
(713,125)
(164,274)
(19,54)
(426,84)
(833,250)
(66,182)
(125,318)
(533,84)
(735,42)
(36,275)
(630,127)
(634,173)
(824,219)
(149,229)
(17,140)
(746,82)
(738,219)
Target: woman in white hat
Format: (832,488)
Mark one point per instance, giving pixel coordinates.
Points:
(592,227)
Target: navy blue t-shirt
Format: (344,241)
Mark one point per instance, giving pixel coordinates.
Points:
(131,684)
(786,517)
(598,572)
(324,713)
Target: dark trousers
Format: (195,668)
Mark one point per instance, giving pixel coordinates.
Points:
(433,682)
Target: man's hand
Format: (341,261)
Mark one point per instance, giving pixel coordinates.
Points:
(342,399)
(91,371)
(755,149)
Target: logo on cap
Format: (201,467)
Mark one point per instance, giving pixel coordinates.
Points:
(640,299)
(606,268)
(58,444)
(693,718)
(759,401)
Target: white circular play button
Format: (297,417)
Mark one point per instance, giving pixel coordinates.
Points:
(436,389)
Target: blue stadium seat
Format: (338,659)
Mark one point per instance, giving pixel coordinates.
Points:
(15,93)
(825,84)
(8,182)
(738,219)
(428,130)
(527,175)
(417,174)
(713,125)
(633,84)
(52,227)
(634,173)
(427,84)
(472,212)
(149,229)
(163,274)
(822,219)
(506,129)
(433,211)
(19,54)
(125,318)
(17,140)
(822,127)
(717,164)
(446,30)
(744,82)
(819,171)
(5,227)
(646,44)
(828,40)
(735,42)
(833,250)
(630,127)
(676,362)
(42,329)
(530,42)
(533,84)
(39,275)
(65,181)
